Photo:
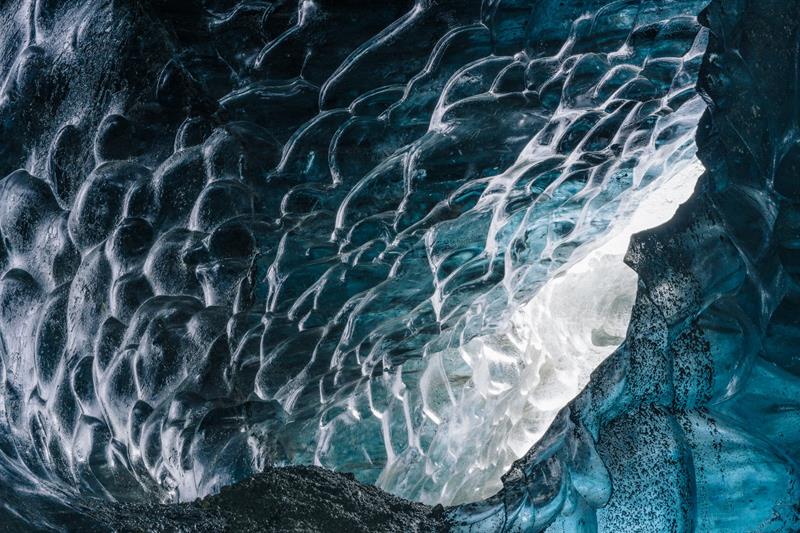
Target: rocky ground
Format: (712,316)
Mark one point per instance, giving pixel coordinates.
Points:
(290,499)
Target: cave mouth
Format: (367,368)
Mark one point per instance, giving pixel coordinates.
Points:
(553,296)
(513,383)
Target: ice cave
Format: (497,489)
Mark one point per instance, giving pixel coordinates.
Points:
(400,265)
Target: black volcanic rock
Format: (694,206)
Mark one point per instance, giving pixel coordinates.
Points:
(291,499)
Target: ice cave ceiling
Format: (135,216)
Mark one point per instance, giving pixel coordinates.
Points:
(431,244)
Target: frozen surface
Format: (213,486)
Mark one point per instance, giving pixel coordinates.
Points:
(515,380)
(313,266)
(690,425)
(389,241)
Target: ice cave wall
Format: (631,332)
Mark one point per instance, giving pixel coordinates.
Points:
(240,236)
(232,220)
(692,425)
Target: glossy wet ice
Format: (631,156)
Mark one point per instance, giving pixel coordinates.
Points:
(275,241)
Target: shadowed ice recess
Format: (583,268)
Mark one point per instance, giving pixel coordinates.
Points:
(395,250)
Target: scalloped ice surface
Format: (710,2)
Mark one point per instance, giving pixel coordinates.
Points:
(241,234)
(692,423)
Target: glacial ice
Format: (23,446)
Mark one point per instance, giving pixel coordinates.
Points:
(389,241)
(519,377)
(690,424)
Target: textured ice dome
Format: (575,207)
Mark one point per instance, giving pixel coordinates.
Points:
(393,250)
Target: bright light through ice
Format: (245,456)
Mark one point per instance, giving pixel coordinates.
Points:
(517,380)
